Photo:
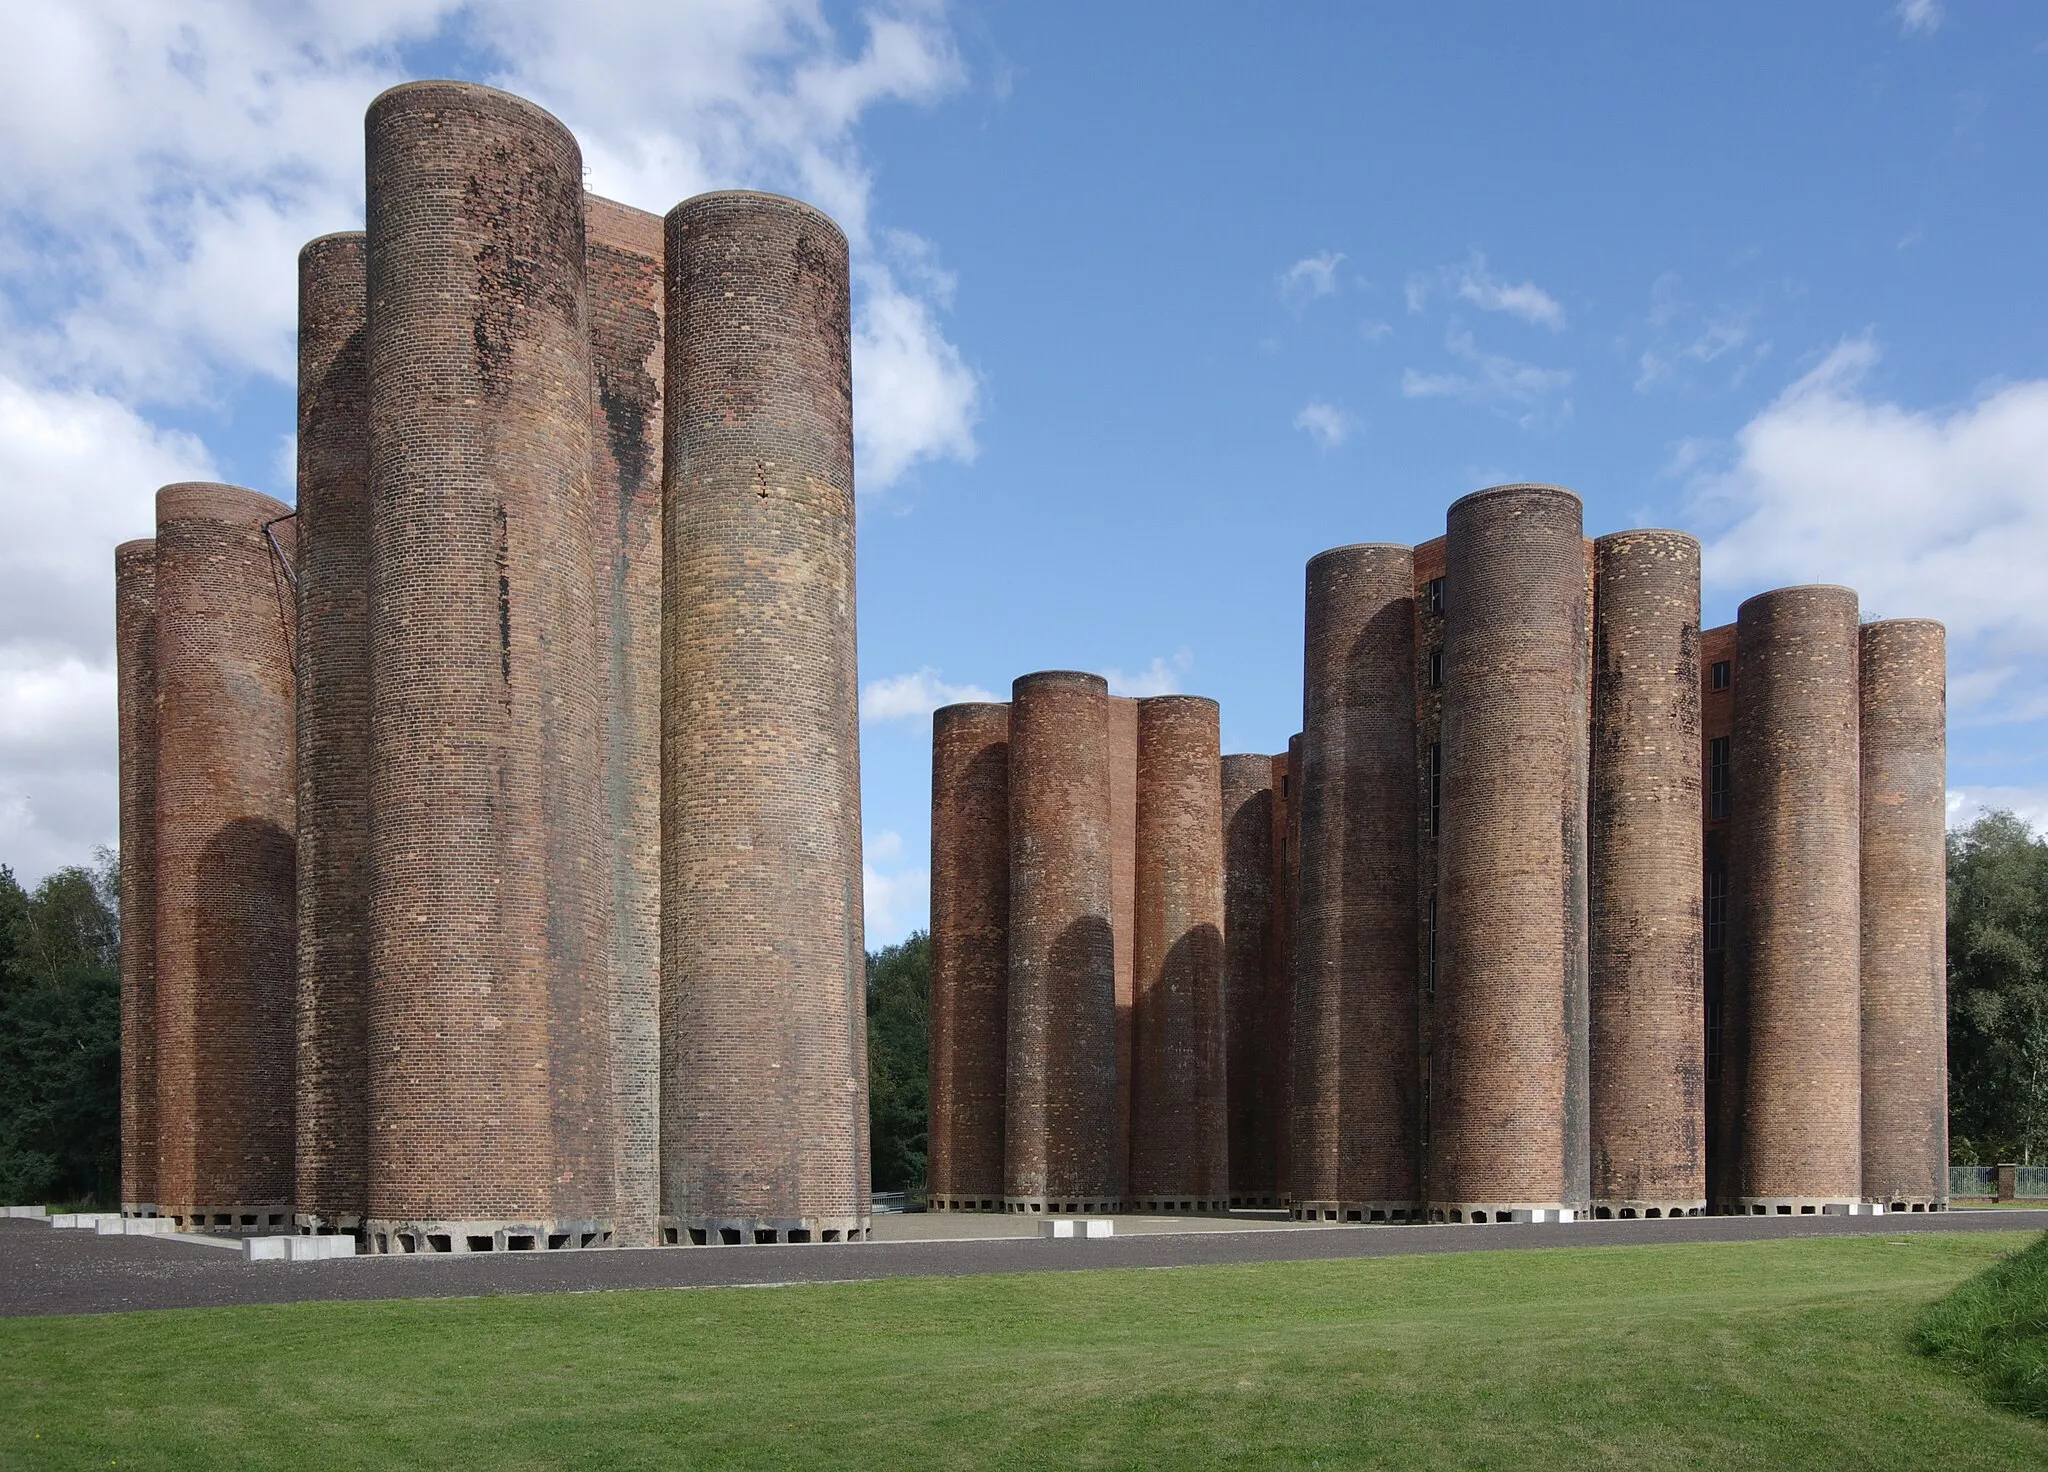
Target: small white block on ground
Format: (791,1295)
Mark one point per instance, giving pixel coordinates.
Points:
(110,1226)
(36,1213)
(149,1226)
(1099,1227)
(1056,1229)
(267,1249)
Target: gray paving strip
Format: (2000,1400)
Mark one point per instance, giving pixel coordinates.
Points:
(47,1271)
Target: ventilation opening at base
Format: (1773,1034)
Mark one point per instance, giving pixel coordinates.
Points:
(730,1236)
(1652,1214)
(439,1242)
(589,1237)
(518,1242)
(831,1234)
(799,1234)
(481,1244)
(696,1237)
(1628,1213)
(557,1240)
(764,1235)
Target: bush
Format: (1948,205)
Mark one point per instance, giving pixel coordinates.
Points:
(1994,1328)
(899,1070)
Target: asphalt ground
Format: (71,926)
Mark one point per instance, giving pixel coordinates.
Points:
(44,1270)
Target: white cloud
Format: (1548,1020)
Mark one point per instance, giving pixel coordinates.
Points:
(913,697)
(1504,383)
(898,898)
(167,158)
(1931,513)
(1309,278)
(1919,17)
(1327,425)
(1161,677)
(1967,804)
(1473,282)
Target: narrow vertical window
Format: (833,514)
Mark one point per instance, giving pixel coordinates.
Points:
(1429,968)
(1713,1042)
(1436,595)
(1724,674)
(1436,787)
(1436,669)
(1717,907)
(1717,777)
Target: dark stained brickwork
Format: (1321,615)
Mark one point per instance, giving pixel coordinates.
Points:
(623,271)
(1121,752)
(491,1101)
(1287,893)
(1904,719)
(970,954)
(1180,1135)
(136,694)
(224,858)
(1060,1125)
(333,734)
(1357,1111)
(1722,1020)
(764,1108)
(1796,941)
(1250,971)
(1647,1070)
(1429,704)
(1508,1127)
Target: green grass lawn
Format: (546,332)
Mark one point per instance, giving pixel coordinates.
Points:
(1768,1354)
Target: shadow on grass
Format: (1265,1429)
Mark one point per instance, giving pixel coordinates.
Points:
(1994,1328)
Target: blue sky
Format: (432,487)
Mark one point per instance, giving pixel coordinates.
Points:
(1155,303)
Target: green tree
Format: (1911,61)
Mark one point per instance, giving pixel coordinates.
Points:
(1998,989)
(899,1080)
(60,1035)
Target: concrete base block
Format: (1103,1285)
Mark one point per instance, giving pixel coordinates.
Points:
(397,1236)
(148,1226)
(758,1231)
(33,1213)
(1486,1212)
(85,1221)
(267,1249)
(1078,1204)
(1081,1227)
(990,1202)
(1645,1210)
(1805,1206)
(1355,1212)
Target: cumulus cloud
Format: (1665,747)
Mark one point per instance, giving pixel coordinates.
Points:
(1327,426)
(1309,278)
(1936,513)
(1524,390)
(167,158)
(1919,17)
(1161,677)
(913,697)
(897,894)
(1967,804)
(1472,282)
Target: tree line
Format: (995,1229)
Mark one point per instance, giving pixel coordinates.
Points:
(60,1023)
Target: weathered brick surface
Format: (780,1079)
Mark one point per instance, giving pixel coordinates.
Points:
(136,694)
(1180,1132)
(764,1071)
(224,858)
(1251,976)
(1509,1125)
(970,954)
(333,733)
(489,1022)
(1060,1124)
(1647,1062)
(1722,1022)
(1122,756)
(1429,703)
(623,274)
(1796,880)
(1287,890)
(1356,1142)
(1904,739)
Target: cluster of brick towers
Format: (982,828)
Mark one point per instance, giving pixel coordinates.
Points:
(1558,906)
(491,824)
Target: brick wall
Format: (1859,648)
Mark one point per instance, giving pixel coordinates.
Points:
(1250,971)
(136,687)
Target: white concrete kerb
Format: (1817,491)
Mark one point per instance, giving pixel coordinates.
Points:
(1071,1227)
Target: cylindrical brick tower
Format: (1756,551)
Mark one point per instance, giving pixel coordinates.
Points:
(1287,770)
(224,858)
(1796,878)
(622,263)
(489,1021)
(1357,1116)
(1060,1123)
(1903,673)
(970,954)
(1122,752)
(1180,1120)
(1508,1135)
(135,663)
(1249,968)
(764,1043)
(1429,701)
(1647,1061)
(333,735)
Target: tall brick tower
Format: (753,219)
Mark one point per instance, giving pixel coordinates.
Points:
(1796,878)
(333,735)
(1904,738)
(1287,777)
(1122,756)
(970,953)
(1647,1062)
(764,1046)
(136,687)
(1250,971)
(1180,1131)
(224,858)
(623,272)
(1356,1111)
(1060,1123)
(1509,1127)
(1429,774)
(489,1021)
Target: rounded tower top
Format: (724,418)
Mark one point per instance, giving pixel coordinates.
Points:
(1532,490)
(433,92)
(1058,680)
(193,500)
(759,199)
